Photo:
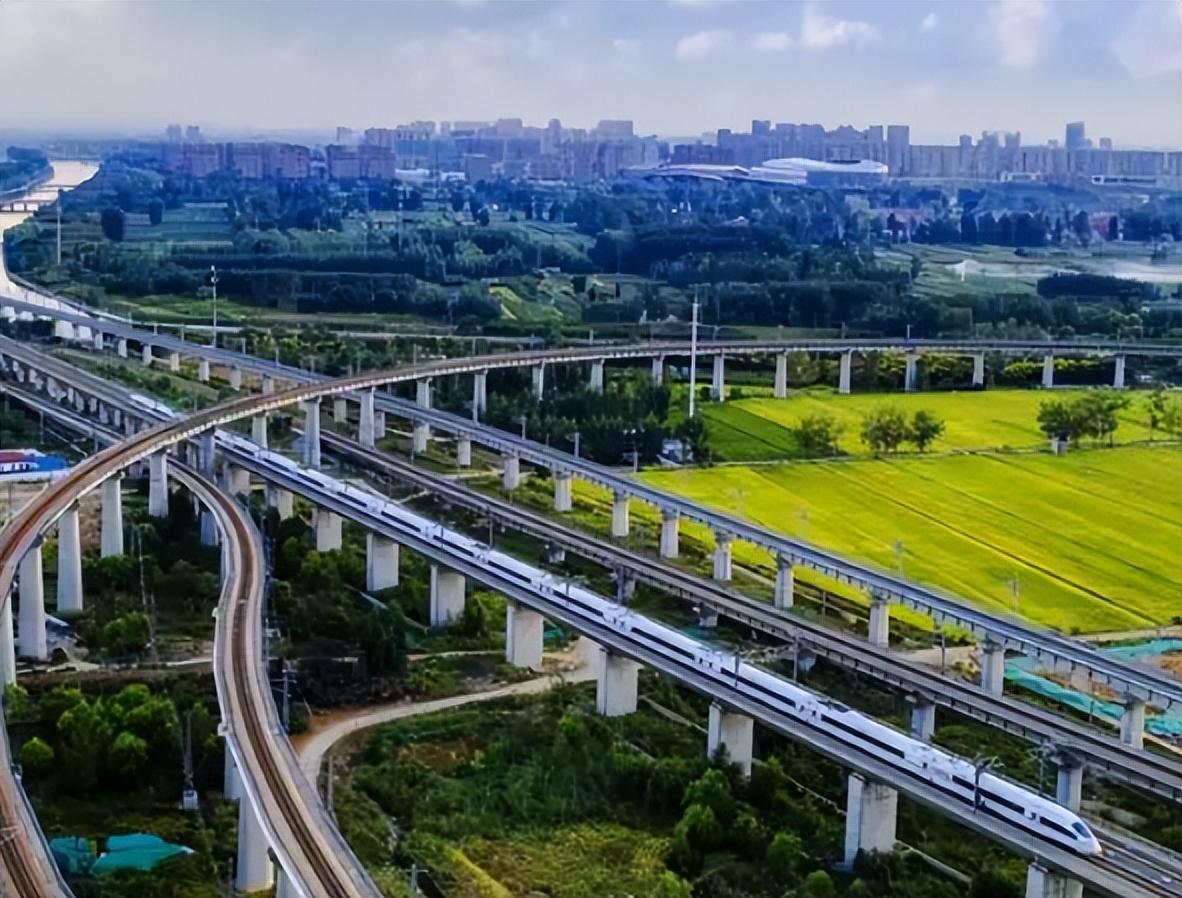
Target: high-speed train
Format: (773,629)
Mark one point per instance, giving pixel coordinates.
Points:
(955,777)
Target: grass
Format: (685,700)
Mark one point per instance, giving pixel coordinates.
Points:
(1091,539)
(757,429)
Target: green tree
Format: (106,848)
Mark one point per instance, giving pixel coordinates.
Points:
(84,736)
(36,755)
(785,857)
(18,707)
(925,429)
(818,434)
(1057,419)
(113,221)
(818,884)
(712,790)
(884,429)
(128,757)
(1156,409)
(156,212)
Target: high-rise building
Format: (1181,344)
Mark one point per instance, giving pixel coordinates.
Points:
(761,127)
(1106,143)
(1075,138)
(344,136)
(193,134)
(173,133)
(614,129)
(898,149)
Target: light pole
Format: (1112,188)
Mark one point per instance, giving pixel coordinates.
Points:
(59,226)
(213,286)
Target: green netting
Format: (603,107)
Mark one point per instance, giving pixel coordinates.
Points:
(72,854)
(136,851)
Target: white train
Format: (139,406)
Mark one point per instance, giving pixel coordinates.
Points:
(955,777)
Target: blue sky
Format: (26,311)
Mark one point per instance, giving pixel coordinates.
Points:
(676,68)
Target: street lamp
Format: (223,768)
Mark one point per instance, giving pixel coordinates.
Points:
(213,286)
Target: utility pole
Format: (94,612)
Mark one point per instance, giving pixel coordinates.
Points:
(693,358)
(213,285)
(59,226)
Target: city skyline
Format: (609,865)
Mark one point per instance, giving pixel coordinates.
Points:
(944,69)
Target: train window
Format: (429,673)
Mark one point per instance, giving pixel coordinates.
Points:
(1081,829)
(1005,802)
(963,783)
(865,737)
(1058,828)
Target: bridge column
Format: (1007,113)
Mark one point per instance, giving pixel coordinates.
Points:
(658,370)
(923,718)
(447,595)
(235,378)
(174,362)
(723,567)
(563,491)
(1118,372)
(146,355)
(379,425)
(98,341)
(422,431)
(523,636)
(734,732)
(463,452)
(366,425)
(844,372)
(340,410)
(7,644)
(510,472)
(979,369)
(670,525)
(1069,781)
(33,643)
(993,667)
(121,348)
(203,370)
(479,394)
(268,386)
(1132,723)
(718,379)
(281,500)
(620,522)
(784,592)
(258,430)
(328,529)
(63,330)
(236,480)
(780,389)
(1044,883)
(538,376)
(311,454)
(1048,372)
(870,816)
(911,372)
(158,484)
(69,562)
(111,542)
(879,632)
(253,872)
(617,683)
(381,562)
(597,377)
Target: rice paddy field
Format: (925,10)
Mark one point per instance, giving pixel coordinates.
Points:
(758,429)
(1087,542)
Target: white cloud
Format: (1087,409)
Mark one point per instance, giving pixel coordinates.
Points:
(821,32)
(772,42)
(702,44)
(1151,42)
(1020,28)
(929,23)
(626,46)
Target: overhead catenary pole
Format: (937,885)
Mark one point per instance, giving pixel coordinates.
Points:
(693,358)
(213,286)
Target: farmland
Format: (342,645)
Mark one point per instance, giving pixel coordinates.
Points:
(1087,542)
(757,429)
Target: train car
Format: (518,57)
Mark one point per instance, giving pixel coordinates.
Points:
(30,464)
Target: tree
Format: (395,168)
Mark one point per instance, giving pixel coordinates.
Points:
(1113,228)
(84,735)
(128,757)
(884,428)
(36,755)
(785,857)
(1057,420)
(818,884)
(113,221)
(925,428)
(1156,409)
(818,434)
(156,212)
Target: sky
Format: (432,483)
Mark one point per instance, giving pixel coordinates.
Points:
(676,67)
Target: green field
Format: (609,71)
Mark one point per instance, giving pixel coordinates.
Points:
(757,429)
(1092,539)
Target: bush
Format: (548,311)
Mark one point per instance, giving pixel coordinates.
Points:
(37,755)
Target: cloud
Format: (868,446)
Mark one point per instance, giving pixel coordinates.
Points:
(626,46)
(772,42)
(929,23)
(703,44)
(1151,42)
(821,32)
(1020,28)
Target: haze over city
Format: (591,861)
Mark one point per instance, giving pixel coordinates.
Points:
(675,68)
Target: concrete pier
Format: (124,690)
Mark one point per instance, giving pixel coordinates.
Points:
(253,872)
(447,595)
(718,379)
(523,636)
(203,370)
(538,378)
(844,372)
(784,591)
(733,732)
(340,410)
(379,425)
(311,453)
(620,517)
(563,491)
(174,362)
(723,567)
(993,668)
(33,643)
(268,386)
(1132,723)
(1044,883)
(98,341)
(236,480)
(463,452)
(616,687)
(597,376)
(235,378)
(111,542)
(780,388)
(479,394)
(281,500)
(1048,372)
(1069,780)
(910,372)
(146,356)
(69,562)
(231,785)
(510,472)
(121,348)
(658,370)
(923,718)
(328,529)
(979,370)
(158,484)
(381,563)
(870,815)
(422,432)
(879,632)
(366,423)
(7,644)
(670,535)
(1118,372)
(258,430)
